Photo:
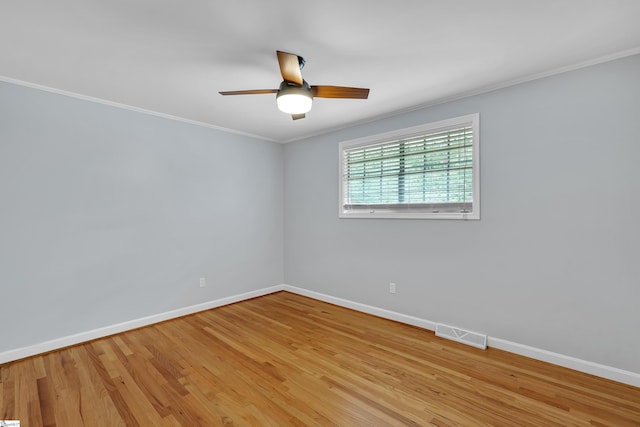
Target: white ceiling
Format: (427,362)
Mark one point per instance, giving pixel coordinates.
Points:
(172,57)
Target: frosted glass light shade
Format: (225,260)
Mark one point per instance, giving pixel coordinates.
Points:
(294,103)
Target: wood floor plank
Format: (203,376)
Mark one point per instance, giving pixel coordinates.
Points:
(46,396)
(26,396)
(286,360)
(7,391)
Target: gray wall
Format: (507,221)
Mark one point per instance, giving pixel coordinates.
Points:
(108,215)
(553,263)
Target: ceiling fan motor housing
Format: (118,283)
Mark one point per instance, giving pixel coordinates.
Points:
(294,88)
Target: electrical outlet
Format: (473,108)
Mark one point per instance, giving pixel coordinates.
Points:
(392,288)
(203,282)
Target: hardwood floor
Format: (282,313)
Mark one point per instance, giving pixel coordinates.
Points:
(286,360)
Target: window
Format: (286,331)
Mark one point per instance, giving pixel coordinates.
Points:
(428,171)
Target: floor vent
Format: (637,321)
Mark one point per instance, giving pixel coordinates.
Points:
(461,335)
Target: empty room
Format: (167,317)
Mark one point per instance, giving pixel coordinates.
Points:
(295,213)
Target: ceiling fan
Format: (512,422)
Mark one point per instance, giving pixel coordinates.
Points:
(295,95)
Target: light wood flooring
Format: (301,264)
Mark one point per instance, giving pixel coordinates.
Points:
(286,360)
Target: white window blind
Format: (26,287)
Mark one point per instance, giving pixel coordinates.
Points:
(429,171)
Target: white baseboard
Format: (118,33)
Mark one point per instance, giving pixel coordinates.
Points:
(597,369)
(32,350)
(604,371)
(380,312)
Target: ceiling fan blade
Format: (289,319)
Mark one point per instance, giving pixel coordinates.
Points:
(249,92)
(339,92)
(297,116)
(289,67)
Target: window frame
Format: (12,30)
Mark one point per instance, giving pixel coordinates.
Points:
(399,211)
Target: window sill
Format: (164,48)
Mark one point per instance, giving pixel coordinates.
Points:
(410,215)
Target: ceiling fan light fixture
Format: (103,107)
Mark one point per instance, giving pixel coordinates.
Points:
(294,99)
(294,103)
